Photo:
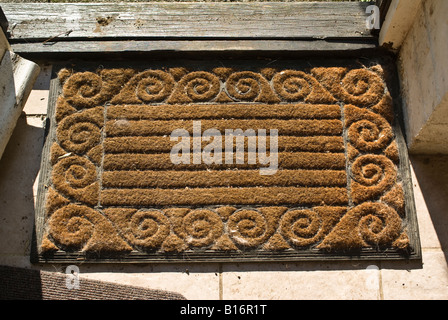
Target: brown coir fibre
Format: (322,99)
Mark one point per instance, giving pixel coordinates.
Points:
(114,189)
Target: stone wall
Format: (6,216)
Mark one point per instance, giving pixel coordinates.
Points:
(423,69)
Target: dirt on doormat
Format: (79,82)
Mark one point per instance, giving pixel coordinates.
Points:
(337,185)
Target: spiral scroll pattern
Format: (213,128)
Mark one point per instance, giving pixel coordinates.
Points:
(200,86)
(74,173)
(72,226)
(372,175)
(379,224)
(76,177)
(373,170)
(247,86)
(153,85)
(292,85)
(249,228)
(362,87)
(78,134)
(149,228)
(202,228)
(83,90)
(369,136)
(301,227)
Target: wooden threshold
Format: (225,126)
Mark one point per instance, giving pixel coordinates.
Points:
(226,27)
(193,48)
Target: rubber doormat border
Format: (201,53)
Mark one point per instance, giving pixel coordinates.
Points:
(279,84)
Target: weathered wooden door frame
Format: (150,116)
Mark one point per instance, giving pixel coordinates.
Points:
(56,30)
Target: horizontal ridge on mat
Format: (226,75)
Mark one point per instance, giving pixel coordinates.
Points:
(165,127)
(228,178)
(219,111)
(286,160)
(225,196)
(163,144)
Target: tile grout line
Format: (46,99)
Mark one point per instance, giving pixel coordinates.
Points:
(220,284)
(380,281)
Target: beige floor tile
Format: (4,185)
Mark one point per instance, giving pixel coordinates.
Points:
(302,281)
(427,232)
(37,102)
(426,283)
(430,180)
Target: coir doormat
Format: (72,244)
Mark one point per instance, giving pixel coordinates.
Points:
(225,161)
